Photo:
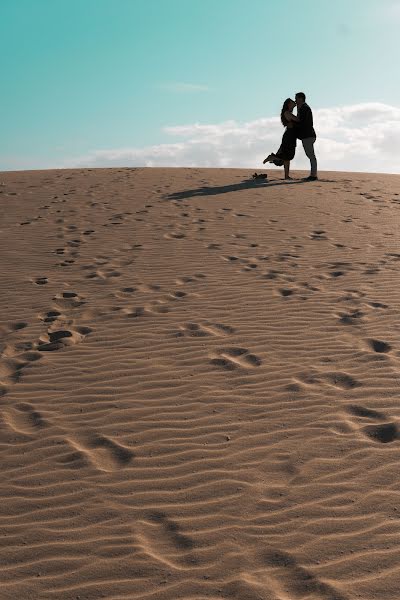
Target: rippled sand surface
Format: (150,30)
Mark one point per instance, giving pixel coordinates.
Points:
(199,386)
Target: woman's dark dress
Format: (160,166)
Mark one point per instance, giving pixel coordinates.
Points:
(287,149)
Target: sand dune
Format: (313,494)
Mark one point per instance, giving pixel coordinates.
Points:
(199,386)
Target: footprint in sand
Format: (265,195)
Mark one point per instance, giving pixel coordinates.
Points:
(107,273)
(11,350)
(51,316)
(74,243)
(379,346)
(149,288)
(353,317)
(190,279)
(233,358)
(286,292)
(103,452)
(125,292)
(16,326)
(249,264)
(157,307)
(41,280)
(177,295)
(23,418)
(341,380)
(204,330)
(318,234)
(383,433)
(174,235)
(230,258)
(69,299)
(162,539)
(351,296)
(371,270)
(287,256)
(11,368)
(272,274)
(60,338)
(293,580)
(66,263)
(377,305)
(309,287)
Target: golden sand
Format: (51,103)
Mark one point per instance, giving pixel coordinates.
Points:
(199,382)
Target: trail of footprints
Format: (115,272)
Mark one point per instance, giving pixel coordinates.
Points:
(228,358)
(24,419)
(103,453)
(162,536)
(319,273)
(16,356)
(91,448)
(105,267)
(58,335)
(374,424)
(88,448)
(85,448)
(158,305)
(231,358)
(204,330)
(70,252)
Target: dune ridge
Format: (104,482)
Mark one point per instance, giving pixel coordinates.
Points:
(199,386)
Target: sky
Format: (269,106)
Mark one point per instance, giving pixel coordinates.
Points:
(196,82)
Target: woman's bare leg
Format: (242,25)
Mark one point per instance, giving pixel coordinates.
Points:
(286,166)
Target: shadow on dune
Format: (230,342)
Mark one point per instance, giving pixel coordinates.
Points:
(224,189)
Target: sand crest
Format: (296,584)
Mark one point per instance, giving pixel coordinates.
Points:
(199,386)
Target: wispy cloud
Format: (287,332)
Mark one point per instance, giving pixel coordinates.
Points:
(182,87)
(361,137)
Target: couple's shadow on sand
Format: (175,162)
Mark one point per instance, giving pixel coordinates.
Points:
(233,187)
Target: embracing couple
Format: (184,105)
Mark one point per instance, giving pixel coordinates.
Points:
(300,127)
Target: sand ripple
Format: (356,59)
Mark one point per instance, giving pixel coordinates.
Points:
(199,381)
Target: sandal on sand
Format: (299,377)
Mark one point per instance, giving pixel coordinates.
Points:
(260,175)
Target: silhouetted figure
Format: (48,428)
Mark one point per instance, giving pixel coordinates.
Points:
(287,148)
(306,133)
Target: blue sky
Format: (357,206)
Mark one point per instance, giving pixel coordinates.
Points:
(82,76)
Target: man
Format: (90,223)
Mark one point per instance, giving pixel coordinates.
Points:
(306,133)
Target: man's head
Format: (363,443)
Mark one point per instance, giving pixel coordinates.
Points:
(300,98)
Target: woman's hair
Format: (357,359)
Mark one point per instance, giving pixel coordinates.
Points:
(285,107)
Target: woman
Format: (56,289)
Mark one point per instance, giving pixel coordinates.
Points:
(287,149)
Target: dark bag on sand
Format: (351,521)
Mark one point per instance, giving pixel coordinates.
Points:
(260,176)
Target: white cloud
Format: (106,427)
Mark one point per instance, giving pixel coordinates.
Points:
(361,137)
(181,86)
